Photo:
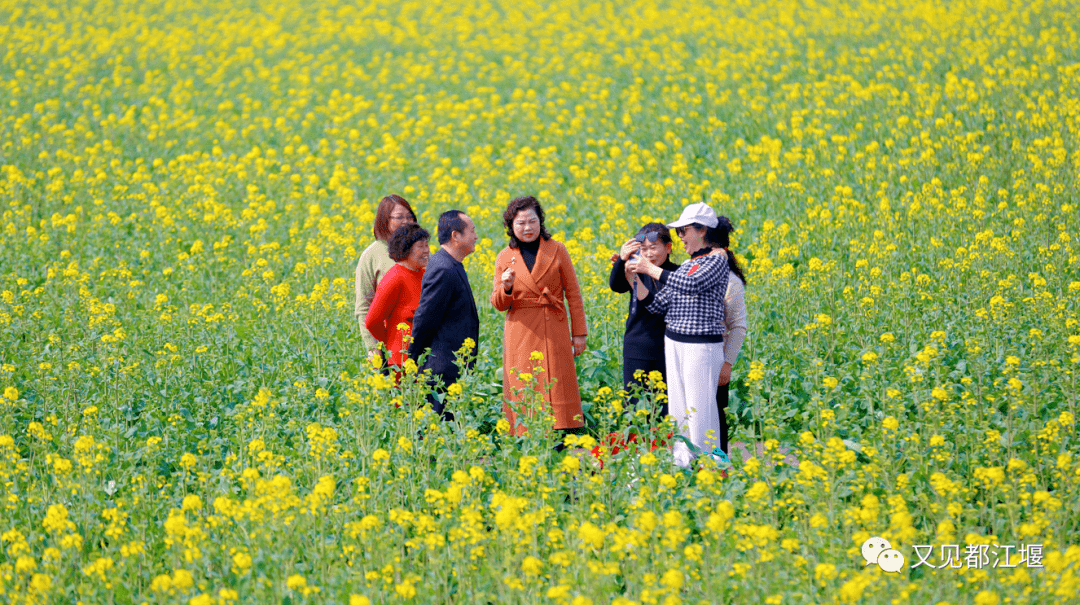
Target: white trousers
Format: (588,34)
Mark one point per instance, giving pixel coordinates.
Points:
(693,370)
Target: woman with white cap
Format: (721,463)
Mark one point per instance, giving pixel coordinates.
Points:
(692,298)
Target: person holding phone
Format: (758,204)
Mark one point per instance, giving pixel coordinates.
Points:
(643,339)
(692,300)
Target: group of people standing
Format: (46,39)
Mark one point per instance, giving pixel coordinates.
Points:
(412,301)
(687,322)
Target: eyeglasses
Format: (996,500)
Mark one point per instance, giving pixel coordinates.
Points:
(651,236)
(680,231)
(402,217)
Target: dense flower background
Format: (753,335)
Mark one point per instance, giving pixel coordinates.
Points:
(186,414)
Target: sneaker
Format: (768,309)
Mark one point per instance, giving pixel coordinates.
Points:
(720,457)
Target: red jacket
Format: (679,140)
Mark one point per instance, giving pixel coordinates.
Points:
(395,303)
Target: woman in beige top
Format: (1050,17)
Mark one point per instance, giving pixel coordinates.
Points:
(394,211)
(734,324)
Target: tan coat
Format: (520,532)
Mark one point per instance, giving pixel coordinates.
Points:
(536,321)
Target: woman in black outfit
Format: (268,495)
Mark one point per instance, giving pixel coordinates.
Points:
(643,343)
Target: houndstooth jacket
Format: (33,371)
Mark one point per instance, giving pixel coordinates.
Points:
(692,297)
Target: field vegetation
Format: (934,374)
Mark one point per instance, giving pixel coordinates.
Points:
(186,413)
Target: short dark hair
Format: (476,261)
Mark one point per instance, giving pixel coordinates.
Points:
(516,205)
(449,222)
(381,230)
(660,228)
(401,242)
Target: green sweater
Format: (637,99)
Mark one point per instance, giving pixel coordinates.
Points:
(374,262)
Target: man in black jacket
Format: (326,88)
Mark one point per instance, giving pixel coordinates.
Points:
(446,314)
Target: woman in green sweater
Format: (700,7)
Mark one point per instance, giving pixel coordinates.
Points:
(393,212)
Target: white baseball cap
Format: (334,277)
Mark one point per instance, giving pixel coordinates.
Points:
(700,213)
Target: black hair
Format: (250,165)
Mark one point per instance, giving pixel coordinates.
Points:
(449,222)
(517,205)
(714,236)
(660,228)
(723,230)
(403,238)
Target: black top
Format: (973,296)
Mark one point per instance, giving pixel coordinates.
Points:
(445,316)
(644,338)
(528,252)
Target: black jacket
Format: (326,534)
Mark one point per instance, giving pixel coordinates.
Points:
(644,338)
(445,316)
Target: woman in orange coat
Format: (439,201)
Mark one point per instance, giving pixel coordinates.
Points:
(533,276)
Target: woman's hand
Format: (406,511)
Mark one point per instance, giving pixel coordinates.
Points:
(375,357)
(631,246)
(643,265)
(640,290)
(637,287)
(508,277)
(725,374)
(579,345)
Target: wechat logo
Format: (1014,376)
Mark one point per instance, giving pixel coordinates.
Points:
(879,552)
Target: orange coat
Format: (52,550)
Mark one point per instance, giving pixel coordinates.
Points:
(536,321)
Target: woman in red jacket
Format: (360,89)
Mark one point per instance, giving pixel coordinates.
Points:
(398,293)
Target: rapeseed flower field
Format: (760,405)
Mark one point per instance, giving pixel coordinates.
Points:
(186,410)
